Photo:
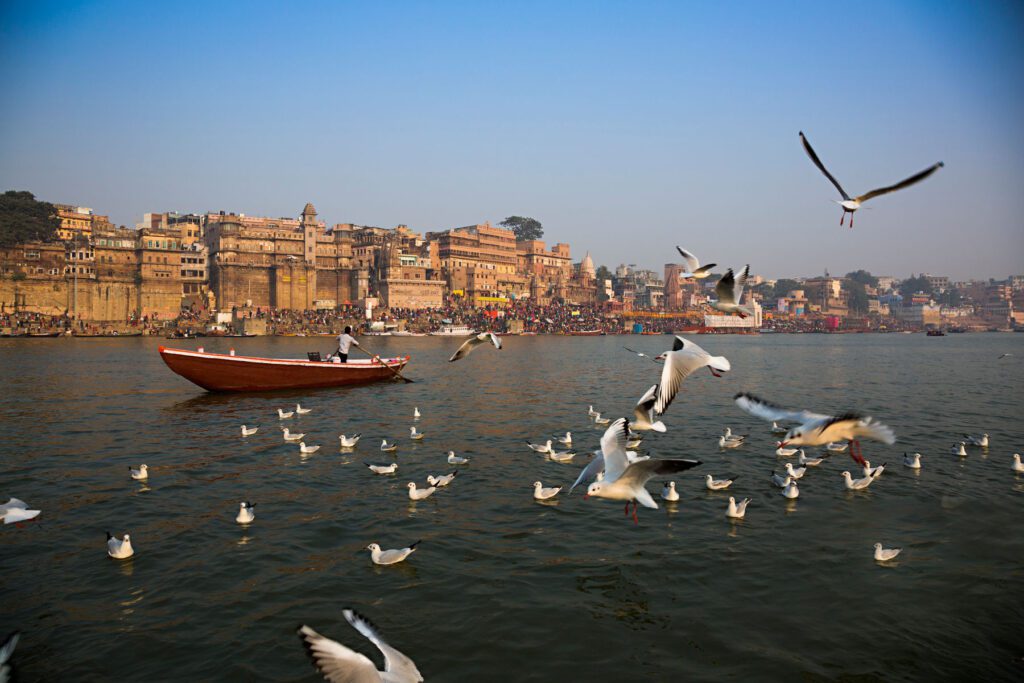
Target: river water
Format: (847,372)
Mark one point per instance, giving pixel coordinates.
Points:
(503,588)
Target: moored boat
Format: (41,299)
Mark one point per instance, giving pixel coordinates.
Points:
(453,331)
(226,372)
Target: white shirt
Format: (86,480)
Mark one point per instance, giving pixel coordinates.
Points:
(345,341)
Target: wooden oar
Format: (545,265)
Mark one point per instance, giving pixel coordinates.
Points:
(395,372)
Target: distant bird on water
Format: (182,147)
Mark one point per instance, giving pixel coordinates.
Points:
(473,342)
(729,291)
(140,474)
(693,267)
(390,556)
(851,204)
(299,410)
(247,431)
(119,549)
(886,554)
(338,663)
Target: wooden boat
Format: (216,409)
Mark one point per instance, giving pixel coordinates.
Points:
(225,372)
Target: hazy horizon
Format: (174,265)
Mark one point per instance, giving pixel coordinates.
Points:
(654,124)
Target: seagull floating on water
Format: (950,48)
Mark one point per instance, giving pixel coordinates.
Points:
(776,429)
(306,450)
(414,435)
(886,554)
(729,443)
(565,456)
(817,429)
(443,480)
(684,359)
(693,268)
(912,461)
(851,204)
(473,342)
(643,413)
(119,549)
(795,473)
(669,493)
(385,557)
(543,448)
(958,449)
(566,440)
(246,431)
(15,510)
(598,420)
(416,413)
(1017,466)
(299,410)
(977,440)
(781,480)
(283,415)
(246,514)
(348,442)
(624,479)
(288,436)
(735,511)
(791,490)
(541,493)
(834,447)
(713,484)
(809,462)
(591,412)
(340,664)
(873,472)
(419,494)
(456,460)
(140,474)
(386,447)
(856,484)
(729,291)
(383,469)
(785,452)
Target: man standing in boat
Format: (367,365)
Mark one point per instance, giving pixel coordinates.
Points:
(345,341)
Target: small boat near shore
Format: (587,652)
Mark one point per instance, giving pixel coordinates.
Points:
(453,331)
(227,372)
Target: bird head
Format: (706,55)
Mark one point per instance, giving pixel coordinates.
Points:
(793,437)
(411,485)
(594,489)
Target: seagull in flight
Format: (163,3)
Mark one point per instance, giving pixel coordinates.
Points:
(473,342)
(625,479)
(851,204)
(693,267)
(730,291)
(643,414)
(338,663)
(817,429)
(642,355)
(680,362)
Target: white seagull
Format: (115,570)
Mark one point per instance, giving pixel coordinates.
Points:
(717,484)
(851,204)
(640,353)
(414,435)
(791,490)
(306,450)
(1017,466)
(669,493)
(456,460)
(873,472)
(339,664)
(140,474)
(684,358)
(735,511)
(693,267)
(246,514)
(246,431)
(809,462)
(390,556)
(545,448)
(15,510)
(729,443)
(912,461)
(566,440)
(416,413)
(565,456)
(785,452)
(977,440)
(591,412)
(281,415)
(383,469)
(856,484)
(288,436)
(386,447)
(795,473)
(886,554)
(473,342)
(730,291)
(119,549)
(299,410)
(958,449)
(781,480)
(817,429)
(348,442)
(541,493)
(443,480)
(776,429)
(624,479)
(419,494)
(836,447)
(643,413)
(598,420)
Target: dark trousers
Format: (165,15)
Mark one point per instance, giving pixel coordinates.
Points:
(343,357)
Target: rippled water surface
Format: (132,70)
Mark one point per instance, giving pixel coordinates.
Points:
(503,588)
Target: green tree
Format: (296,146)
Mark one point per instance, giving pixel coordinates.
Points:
(524,228)
(784,286)
(602,273)
(915,284)
(858,297)
(863,277)
(23,219)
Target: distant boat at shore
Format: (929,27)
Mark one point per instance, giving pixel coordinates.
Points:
(453,331)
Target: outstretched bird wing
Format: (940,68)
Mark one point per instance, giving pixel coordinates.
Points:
(395,663)
(692,264)
(821,166)
(900,185)
(724,288)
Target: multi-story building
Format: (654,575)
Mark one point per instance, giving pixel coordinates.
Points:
(479,262)
(826,295)
(938,283)
(78,222)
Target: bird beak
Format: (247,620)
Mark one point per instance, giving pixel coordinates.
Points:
(716,374)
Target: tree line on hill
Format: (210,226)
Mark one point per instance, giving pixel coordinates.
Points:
(23,218)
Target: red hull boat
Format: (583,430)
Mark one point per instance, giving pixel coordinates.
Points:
(223,372)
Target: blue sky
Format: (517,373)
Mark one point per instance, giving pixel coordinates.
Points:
(626,128)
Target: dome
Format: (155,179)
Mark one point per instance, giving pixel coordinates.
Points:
(587,266)
(309,210)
